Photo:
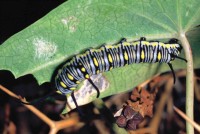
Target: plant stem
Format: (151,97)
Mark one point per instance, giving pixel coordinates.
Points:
(189,83)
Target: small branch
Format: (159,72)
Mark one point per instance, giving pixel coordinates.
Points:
(63,124)
(9,92)
(194,124)
(30,107)
(40,115)
(55,126)
(68,122)
(143,84)
(189,83)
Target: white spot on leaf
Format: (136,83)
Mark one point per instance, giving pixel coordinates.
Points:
(44,49)
(71,22)
(64,21)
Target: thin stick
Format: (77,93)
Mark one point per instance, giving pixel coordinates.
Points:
(9,92)
(194,124)
(30,107)
(54,125)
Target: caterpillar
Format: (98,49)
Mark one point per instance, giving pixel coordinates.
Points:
(108,57)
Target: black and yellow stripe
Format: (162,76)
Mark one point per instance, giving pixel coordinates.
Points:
(108,57)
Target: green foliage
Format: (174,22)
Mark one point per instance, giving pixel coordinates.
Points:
(80,24)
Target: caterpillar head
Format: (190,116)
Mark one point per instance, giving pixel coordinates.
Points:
(61,86)
(175,48)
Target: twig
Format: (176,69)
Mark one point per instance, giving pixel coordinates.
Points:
(9,92)
(30,107)
(63,124)
(55,126)
(194,124)
(143,84)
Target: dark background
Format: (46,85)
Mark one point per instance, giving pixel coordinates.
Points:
(15,15)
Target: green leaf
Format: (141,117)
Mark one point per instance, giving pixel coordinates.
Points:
(78,24)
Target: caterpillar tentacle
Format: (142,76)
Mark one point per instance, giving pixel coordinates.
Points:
(171,67)
(96,88)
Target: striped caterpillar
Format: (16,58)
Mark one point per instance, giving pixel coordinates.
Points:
(108,57)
